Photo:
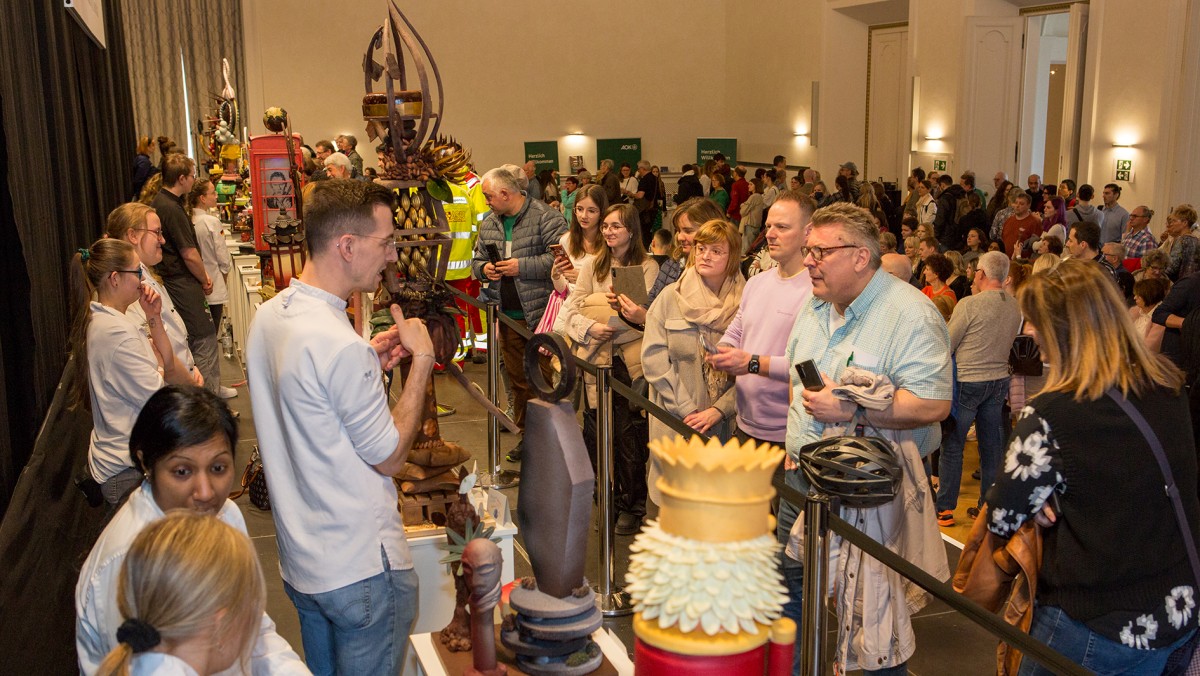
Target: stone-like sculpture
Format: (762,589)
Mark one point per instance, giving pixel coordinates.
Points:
(481,563)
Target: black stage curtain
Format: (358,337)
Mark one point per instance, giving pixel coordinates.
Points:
(66,150)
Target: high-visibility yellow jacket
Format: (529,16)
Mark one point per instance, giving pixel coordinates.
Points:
(464,214)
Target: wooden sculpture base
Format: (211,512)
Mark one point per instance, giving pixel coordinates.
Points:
(459,663)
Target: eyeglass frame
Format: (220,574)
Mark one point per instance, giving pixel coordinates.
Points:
(157,233)
(137,272)
(818,252)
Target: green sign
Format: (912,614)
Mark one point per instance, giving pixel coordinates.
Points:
(939,165)
(543,153)
(619,150)
(707,147)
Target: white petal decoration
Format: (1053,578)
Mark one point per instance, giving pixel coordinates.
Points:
(727,586)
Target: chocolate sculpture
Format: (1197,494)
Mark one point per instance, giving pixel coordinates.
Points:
(481,562)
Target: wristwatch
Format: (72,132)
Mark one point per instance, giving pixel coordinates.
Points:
(753,366)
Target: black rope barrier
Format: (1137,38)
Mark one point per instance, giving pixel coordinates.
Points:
(1047,656)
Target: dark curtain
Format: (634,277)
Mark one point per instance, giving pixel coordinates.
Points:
(66,150)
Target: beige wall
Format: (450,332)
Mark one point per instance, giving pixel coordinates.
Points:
(675,70)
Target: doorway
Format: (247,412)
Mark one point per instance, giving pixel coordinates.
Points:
(1052,93)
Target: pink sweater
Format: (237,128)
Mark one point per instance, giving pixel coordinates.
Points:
(762,325)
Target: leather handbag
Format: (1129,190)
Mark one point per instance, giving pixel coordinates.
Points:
(1024,357)
(254,482)
(1002,577)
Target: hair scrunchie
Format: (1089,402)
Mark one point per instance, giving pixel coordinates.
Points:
(84,254)
(139,635)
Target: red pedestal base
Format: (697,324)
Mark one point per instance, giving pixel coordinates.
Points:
(651,661)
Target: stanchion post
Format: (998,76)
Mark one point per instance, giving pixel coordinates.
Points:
(493,385)
(816,575)
(613,601)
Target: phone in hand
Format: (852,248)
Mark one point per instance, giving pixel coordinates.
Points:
(810,375)
(560,254)
(493,253)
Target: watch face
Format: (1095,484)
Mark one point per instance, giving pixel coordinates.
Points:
(752,367)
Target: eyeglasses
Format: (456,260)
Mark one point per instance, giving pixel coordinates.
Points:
(157,233)
(703,250)
(137,272)
(818,252)
(611,226)
(390,241)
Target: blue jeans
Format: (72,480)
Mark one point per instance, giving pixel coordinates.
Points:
(1096,653)
(361,628)
(978,403)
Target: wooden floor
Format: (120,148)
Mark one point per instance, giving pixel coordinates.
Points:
(968,495)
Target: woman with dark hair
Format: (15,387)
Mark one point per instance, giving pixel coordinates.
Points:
(685,221)
(550,192)
(143,168)
(215,253)
(1147,294)
(926,205)
(998,201)
(938,270)
(970,215)
(587,318)
(182,444)
(582,240)
(1116,593)
(841,191)
(116,366)
(977,241)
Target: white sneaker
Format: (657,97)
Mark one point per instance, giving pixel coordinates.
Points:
(226,392)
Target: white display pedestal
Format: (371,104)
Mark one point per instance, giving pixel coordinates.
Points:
(437,586)
(244,281)
(428,663)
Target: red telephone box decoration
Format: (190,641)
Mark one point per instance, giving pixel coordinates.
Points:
(272,193)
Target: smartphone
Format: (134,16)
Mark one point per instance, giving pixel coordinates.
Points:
(561,254)
(810,375)
(493,253)
(708,347)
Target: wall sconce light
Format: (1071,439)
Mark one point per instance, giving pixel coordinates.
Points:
(800,134)
(575,133)
(933,138)
(1123,145)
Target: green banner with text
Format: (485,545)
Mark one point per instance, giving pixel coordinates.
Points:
(543,153)
(707,147)
(619,150)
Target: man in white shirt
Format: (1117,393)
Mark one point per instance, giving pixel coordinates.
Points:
(331,443)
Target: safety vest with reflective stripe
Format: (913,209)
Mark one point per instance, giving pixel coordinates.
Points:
(464,214)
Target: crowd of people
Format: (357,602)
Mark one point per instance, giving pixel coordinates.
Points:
(709,314)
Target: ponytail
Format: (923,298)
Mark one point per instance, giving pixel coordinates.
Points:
(117,662)
(88,267)
(199,189)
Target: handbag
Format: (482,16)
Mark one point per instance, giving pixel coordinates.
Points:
(1185,660)
(1002,576)
(1025,357)
(254,481)
(546,324)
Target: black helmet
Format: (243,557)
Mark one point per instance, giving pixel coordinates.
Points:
(861,471)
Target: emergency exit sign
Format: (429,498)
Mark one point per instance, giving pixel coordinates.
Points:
(939,165)
(1124,171)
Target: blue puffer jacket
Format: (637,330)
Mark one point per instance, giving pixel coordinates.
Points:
(537,227)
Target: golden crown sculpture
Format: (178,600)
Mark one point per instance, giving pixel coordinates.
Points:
(704,577)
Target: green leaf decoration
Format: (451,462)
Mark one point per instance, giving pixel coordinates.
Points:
(439,189)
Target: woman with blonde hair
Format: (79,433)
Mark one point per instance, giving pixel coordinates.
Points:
(1045,263)
(959,282)
(686,322)
(191,592)
(588,319)
(1116,592)
(116,367)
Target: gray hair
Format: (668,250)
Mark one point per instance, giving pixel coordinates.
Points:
(606,164)
(644,164)
(1117,248)
(518,174)
(994,265)
(503,178)
(856,222)
(339,160)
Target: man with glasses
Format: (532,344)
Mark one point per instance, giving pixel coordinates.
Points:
(333,445)
(137,224)
(1138,239)
(519,231)
(183,271)
(861,316)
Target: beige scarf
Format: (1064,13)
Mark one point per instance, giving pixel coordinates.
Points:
(711,314)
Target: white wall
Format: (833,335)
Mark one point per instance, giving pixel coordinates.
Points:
(674,70)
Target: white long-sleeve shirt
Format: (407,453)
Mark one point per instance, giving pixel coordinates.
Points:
(215,254)
(97,617)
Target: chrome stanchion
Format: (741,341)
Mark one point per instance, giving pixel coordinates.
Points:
(501,478)
(816,575)
(611,598)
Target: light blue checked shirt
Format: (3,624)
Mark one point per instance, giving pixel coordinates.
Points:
(891,329)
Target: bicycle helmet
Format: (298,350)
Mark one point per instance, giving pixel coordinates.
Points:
(861,471)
